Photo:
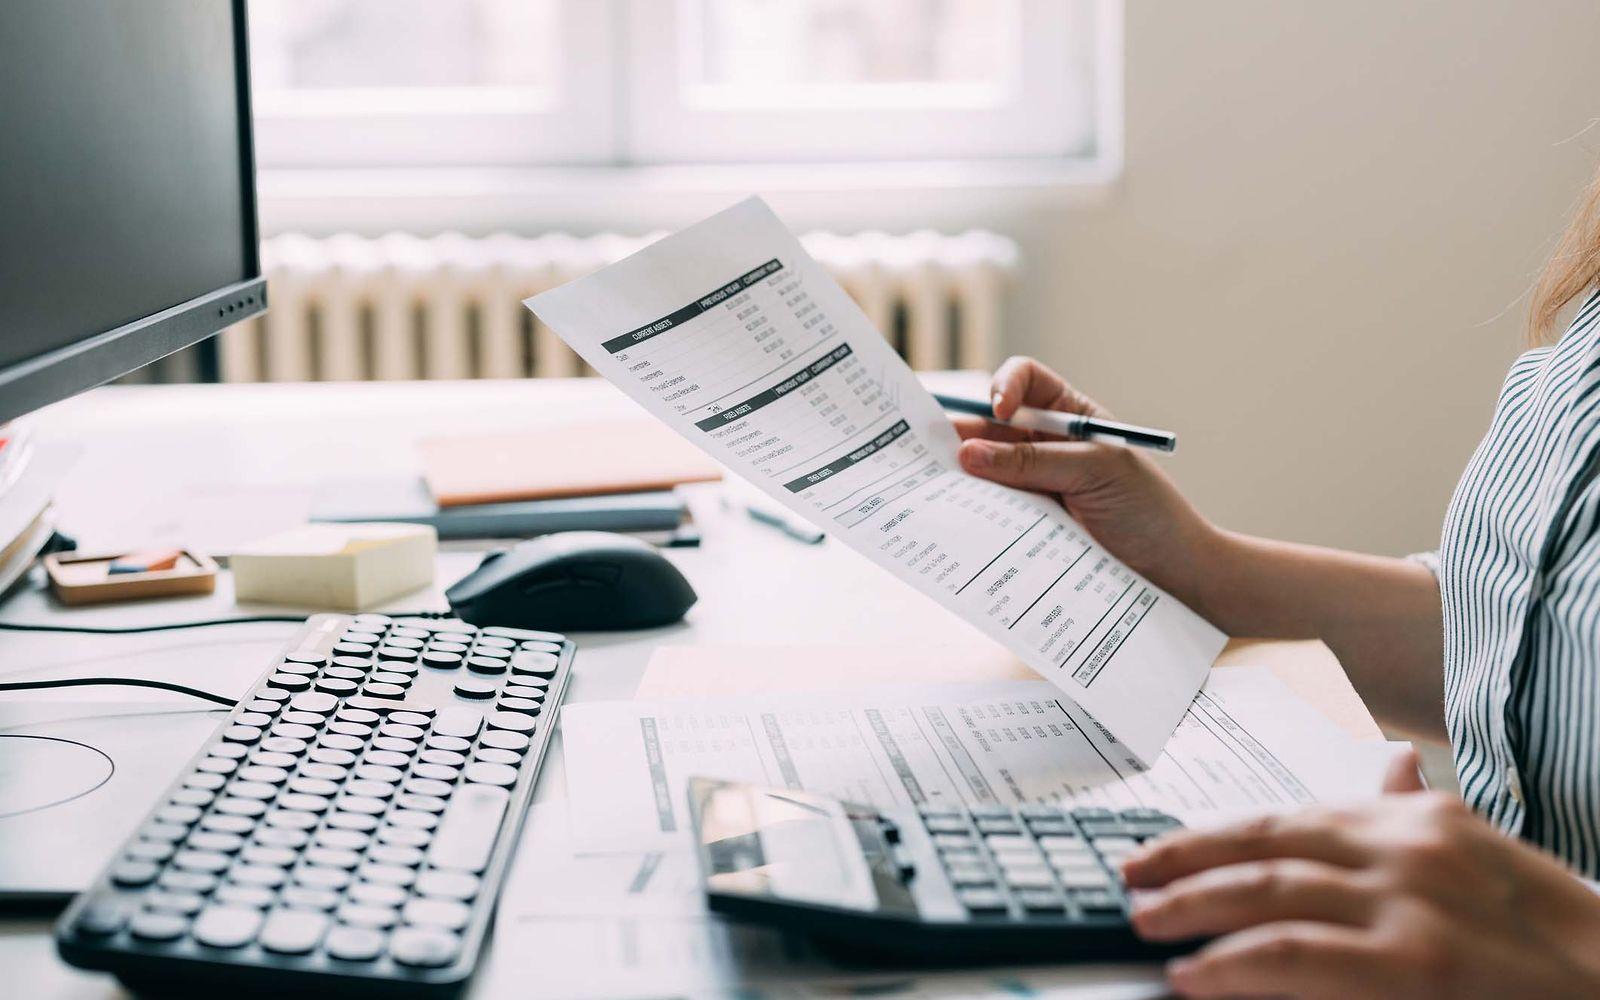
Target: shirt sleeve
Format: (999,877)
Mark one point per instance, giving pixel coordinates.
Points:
(1428,559)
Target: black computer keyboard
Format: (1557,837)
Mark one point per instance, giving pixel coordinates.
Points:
(939,883)
(347,827)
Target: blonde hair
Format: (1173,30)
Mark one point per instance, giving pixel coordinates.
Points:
(1571,270)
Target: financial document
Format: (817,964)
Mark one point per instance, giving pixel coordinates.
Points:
(1246,745)
(731,334)
(634,924)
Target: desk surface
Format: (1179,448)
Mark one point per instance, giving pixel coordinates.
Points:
(212,462)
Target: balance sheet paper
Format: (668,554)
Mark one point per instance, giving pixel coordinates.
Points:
(738,340)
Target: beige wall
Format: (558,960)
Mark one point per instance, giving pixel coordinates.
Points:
(1312,268)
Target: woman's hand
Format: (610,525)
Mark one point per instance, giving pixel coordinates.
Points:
(1410,896)
(1119,494)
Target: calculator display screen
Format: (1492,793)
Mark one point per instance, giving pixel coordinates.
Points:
(780,844)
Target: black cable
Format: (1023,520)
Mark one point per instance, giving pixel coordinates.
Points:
(118,682)
(169,626)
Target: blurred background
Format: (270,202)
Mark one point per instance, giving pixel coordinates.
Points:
(1299,233)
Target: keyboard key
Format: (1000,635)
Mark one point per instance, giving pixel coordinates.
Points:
(489,755)
(503,739)
(378,894)
(447,885)
(467,833)
(354,944)
(104,916)
(150,850)
(486,665)
(310,897)
(395,875)
(1037,877)
(343,840)
(269,855)
(227,926)
(152,925)
(262,773)
(1083,878)
(414,819)
(210,840)
(218,822)
(446,914)
(332,857)
(501,775)
(280,836)
(202,861)
(317,702)
(406,836)
(448,758)
(318,877)
(133,872)
(264,876)
(163,831)
(1096,901)
(515,722)
(363,822)
(244,895)
(182,881)
(424,947)
(472,687)
(375,917)
(185,904)
(241,734)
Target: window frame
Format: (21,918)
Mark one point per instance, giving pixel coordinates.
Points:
(1050,111)
(456,126)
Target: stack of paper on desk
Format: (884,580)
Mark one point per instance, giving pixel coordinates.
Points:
(734,337)
(630,920)
(1246,745)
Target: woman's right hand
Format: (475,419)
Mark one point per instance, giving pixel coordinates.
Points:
(1118,493)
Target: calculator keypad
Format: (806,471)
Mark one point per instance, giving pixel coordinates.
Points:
(1040,861)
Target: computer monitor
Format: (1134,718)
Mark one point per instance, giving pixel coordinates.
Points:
(127,188)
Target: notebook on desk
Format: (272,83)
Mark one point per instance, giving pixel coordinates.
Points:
(575,460)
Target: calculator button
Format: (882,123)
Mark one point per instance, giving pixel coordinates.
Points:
(1094,901)
(1041,900)
(1115,845)
(1051,827)
(969,874)
(982,900)
(954,841)
(945,824)
(1034,811)
(1001,843)
(1071,845)
(1084,813)
(1084,879)
(998,826)
(1029,877)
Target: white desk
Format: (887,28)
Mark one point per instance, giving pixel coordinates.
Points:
(229,459)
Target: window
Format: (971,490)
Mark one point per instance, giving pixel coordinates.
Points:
(620,82)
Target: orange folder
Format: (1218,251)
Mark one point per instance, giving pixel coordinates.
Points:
(570,460)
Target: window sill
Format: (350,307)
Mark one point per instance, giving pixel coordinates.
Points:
(841,196)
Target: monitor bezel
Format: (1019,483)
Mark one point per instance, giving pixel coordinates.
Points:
(66,371)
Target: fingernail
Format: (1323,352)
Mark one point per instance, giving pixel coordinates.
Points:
(980,455)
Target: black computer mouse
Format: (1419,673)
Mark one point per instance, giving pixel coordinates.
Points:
(573,581)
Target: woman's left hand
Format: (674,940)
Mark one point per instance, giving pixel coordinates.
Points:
(1412,895)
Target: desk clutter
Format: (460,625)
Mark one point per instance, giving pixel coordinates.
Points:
(29,475)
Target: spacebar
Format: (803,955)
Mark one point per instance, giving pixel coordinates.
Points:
(471,822)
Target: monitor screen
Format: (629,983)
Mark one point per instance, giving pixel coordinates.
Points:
(125,186)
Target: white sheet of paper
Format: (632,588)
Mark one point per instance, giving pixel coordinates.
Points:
(731,334)
(1247,745)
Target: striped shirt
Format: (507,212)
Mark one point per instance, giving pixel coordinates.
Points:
(1519,572)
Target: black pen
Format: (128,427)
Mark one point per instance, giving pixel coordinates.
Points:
(1066,424)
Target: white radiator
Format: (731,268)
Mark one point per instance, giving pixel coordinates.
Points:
(450,306)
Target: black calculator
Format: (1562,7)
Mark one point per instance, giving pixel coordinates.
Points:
(932,883)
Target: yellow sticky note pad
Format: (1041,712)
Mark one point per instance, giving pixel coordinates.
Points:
(346,567)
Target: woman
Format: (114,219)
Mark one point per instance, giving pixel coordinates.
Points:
(1416,894)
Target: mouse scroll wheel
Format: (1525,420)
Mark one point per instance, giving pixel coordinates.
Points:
(596,574)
